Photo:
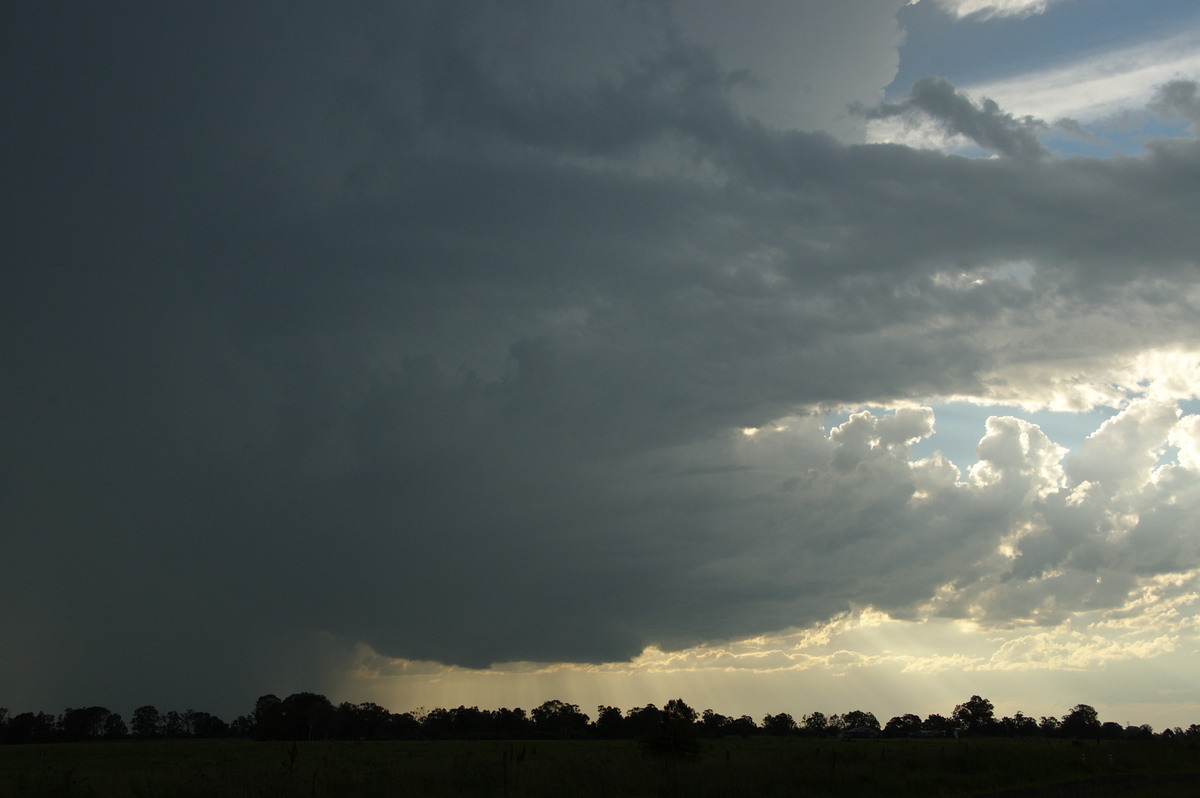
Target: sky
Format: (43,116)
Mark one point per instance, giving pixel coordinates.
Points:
(815,357)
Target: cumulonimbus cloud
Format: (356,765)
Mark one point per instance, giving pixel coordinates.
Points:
(426,355)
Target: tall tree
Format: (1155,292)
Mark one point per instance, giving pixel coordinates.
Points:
(903,726)
(643,721)
(816,724)
(779,725)
(1049,725)
(743,726)
(938,723)
(84,723)
(1019,725)
(146,722)
(173,725)
(204,725)
(30,728)
(558,719)
(114,727)
(610,723)
(714,724)
(1081,721)
(306,716)
(860,719)
(268,718)
(677,733)
(975,716)
(513,723)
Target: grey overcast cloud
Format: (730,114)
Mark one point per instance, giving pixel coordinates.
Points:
(344,341)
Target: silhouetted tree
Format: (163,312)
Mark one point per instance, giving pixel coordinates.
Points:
(975,716)
(816,724)
(860,719)
(557,719)
(714,724)
(438,724)
(114,727)
(146,723)
(405,726)
(779,725)
(610,723)
(674,729)
(1111,730)
(305,716)
(268,718)
(242,726)
(938,723)
(643,721)
(85,723)
(366,721)
(514,723)
(743,726)
(1143,732)
(204,725)
(1019,725)
(28,727)
(676,735)
(903,726)
(1081,721)
(173,726)
(470,723)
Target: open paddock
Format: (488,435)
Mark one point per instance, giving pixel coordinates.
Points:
(759,766)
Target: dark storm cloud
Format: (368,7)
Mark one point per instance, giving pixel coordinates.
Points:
(432,325)
(1178,98)
(986,125)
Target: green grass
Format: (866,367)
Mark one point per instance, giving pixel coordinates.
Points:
(763,767)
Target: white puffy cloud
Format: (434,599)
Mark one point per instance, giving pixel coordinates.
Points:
(1017,452)
(1124,450)
(1077,652)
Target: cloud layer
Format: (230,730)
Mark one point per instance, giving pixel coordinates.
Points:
(442,327)
(992,9)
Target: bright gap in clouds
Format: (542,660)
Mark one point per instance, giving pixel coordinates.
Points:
(959,426)
(1085,71)
(978,50)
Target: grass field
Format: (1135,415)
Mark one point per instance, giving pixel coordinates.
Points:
(761,767)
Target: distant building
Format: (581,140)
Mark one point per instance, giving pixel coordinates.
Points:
(859,732)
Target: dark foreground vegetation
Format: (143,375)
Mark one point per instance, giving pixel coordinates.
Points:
(305,745)
(761,766)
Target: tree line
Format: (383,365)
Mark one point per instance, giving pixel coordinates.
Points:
(311,716)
